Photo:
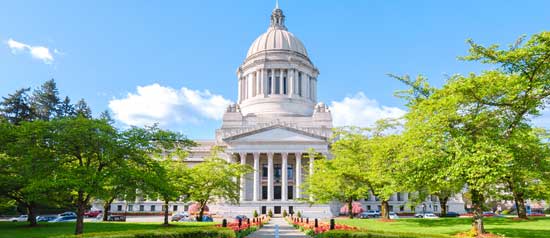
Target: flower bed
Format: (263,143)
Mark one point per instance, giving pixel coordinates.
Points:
(308,226)
(246,226)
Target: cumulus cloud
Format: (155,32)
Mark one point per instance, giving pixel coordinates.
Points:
(359,110)
(37,52)
(167,106)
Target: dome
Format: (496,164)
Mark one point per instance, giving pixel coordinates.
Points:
(277,39)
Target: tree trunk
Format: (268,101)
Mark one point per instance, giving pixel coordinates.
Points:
(350,207)
(443,203)
(201,211)
(520,204)
(385,209)
(107,208)
(80,208)
(165,212)
(477,206)
(31,216)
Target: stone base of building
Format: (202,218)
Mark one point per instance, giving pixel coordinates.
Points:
(277,208)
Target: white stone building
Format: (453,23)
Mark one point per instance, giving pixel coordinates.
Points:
(275,121)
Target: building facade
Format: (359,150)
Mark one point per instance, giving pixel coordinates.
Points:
(275,122)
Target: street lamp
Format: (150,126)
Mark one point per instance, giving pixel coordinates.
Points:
(423,210)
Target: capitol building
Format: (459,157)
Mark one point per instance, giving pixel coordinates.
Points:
(275,121)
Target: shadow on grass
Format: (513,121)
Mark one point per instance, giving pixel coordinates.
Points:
(516,232)
(19,229)
(466,221)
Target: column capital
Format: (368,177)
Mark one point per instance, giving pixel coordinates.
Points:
(284,155)
(256,155)
(270,155)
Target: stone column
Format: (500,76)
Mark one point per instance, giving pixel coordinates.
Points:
(284,170)
(290,76)
(240,97)
(243,184)
(281,82)
(272,75)
(270,176)
(298,169)
(264,80)
(256,176)
(258,82)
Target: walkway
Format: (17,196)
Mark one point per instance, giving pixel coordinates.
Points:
(285,230)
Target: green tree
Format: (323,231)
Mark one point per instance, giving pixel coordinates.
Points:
(340,178)
(26,165)
(205,188)
(45,101)
(82,109)
(16,107)
(66,109)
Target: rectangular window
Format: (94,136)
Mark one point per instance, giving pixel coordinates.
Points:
(291,210)
(264,170)
(284,86)
(152,208)
(399,197)
(289,172)
(141,208)
(130,208)
(368,207)
(119,208)
(277,171)
(277,193)
(435,208)
(391,208)
(290,192)
(264,209)
(175,208)
(401,208)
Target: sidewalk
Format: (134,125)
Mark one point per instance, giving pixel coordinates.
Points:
(285,230)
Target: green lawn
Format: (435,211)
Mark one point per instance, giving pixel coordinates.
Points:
(22,230)
(534,228)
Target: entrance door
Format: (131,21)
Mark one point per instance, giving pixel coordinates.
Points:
(277,209)
(264,210)
(290,210)
(277,193)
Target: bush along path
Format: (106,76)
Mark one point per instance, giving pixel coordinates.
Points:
(280,226)
(244,227)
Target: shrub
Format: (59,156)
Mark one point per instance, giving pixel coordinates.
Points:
(505,212)
(299,214)
(209,232)
(285,213)
(255,214)
(270,213)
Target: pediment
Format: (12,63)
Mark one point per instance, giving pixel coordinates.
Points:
(276,134)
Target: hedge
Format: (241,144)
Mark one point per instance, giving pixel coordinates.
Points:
(374,234)
(181,233)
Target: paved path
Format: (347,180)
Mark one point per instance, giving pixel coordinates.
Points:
(285,230)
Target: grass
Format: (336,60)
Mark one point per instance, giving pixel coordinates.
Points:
(47,230)
(533,228)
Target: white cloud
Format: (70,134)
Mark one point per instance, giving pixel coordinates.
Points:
(359,110)
(166,106)
(37,52)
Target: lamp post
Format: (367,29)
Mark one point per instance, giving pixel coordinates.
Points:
(423,210)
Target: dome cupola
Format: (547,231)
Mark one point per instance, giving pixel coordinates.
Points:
(277,76)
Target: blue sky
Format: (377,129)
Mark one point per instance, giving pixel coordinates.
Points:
(103,50)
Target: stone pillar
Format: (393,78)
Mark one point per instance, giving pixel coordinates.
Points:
(256,176)
(281,82)
(270,176)
(240,97)
(291,84)
(284,170)
(298,169)
(264,78)
(272,75)
(243,182)
(258,83)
